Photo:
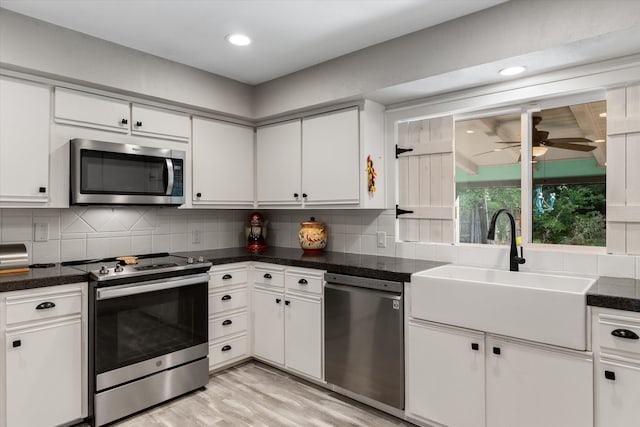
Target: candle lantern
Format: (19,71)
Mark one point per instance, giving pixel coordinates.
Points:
(257,233)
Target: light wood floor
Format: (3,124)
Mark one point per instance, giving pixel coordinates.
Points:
(256,395)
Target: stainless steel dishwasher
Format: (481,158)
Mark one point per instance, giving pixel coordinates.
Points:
(364,337)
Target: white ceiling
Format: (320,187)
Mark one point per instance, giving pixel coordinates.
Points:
(288,35)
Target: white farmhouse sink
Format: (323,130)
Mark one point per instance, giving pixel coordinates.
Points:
(546,308)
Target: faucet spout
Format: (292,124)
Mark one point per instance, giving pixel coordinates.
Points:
(514,259)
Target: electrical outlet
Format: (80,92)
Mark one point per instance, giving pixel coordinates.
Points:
(41,232)
(196,237)
(382,239)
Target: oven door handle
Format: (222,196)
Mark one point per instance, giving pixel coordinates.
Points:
(149,286)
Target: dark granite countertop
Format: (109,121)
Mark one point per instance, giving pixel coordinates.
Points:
(370,266)
(614,292)
(41,277)
(607,292)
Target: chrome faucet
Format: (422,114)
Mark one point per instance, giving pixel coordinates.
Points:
(514,259)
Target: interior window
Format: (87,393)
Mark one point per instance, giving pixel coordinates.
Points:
(487,175)
(568,183)
(569,175)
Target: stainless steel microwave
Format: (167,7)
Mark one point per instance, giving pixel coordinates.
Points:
(106,173)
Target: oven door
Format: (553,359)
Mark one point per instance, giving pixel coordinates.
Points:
(147,327)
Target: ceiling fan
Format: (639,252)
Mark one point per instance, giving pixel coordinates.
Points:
(540,138)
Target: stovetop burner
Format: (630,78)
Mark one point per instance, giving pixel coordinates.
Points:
(110,268)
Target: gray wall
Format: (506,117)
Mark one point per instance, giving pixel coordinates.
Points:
(508,30)
(27,44)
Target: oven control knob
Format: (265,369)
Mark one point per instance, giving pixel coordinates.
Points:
(104,270)
(190,260)
(118,268)
(200,259)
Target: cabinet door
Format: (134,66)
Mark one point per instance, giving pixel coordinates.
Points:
(89,110)
(330,154)
(617,394)
(159,123)
(534,386)
(24,140)
(303,335)
(445,374)
(268,325)
(222,163)
(44,368)
(278,164)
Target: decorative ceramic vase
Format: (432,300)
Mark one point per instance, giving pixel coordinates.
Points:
(312,236)
(256,235)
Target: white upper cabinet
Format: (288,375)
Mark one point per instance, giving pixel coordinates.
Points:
(321,160)
(89,110)
(159,123)
(278,169)
(24,141)
(222,156)
(330,154)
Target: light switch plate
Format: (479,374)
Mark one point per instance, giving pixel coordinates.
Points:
(41,232)
(381,238)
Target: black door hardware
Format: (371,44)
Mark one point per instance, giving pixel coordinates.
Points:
(226,297)
(278,300)
(227,322)
(124,121)
(198,195)
(610,375)
(401,211)
(267,276)
(303,282)
(496,350)
(227,277)
(42,190)
(475,346)
(625,333)
(287,302)
(45,305)
(138,124)
(402,150)
(226,348)
(16,343)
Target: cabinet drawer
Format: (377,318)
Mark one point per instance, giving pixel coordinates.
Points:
(619,333)
(302,281)
(268,277)
(227,325)
(228,277)
(225,351)
(41,306)
(227,300)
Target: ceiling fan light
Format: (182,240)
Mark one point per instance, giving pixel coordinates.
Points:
(539,151)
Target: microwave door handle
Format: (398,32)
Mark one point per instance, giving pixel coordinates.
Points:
(169,177)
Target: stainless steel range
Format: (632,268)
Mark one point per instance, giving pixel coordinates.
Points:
(148,333)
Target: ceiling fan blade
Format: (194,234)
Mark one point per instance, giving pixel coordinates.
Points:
(569,146)
(555,140)
(496,150)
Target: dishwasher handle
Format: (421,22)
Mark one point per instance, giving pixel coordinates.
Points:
(364,282)
(356,289)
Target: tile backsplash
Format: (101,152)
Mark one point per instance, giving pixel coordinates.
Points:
(94,232)
(80,232)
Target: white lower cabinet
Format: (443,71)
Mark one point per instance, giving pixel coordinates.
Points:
(287,324)
(447,371)
(228,315)
(464,378)
(531,385)
(616,348)
(43,369)
(43,364)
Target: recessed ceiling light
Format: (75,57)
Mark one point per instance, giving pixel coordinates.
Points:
(603,114)
(238,39)
(599,140)
(471,131)
(512,71)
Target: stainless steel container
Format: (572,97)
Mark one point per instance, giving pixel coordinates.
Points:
(13,256)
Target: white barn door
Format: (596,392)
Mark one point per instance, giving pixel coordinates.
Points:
(426,180)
